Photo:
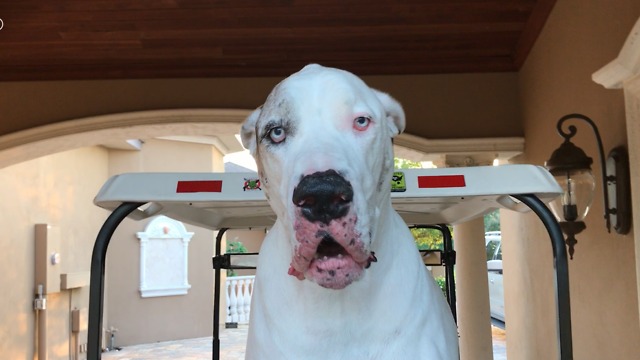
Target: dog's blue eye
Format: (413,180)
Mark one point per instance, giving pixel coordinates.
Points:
(277,134)
(361,123)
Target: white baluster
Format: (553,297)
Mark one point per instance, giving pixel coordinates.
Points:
(241,318)
(233,301)
(239,291)
(247,299)
(228,300)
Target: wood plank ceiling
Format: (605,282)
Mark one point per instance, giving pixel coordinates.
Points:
(112,39)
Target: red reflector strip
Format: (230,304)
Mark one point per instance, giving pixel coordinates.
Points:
(199,186)
(441,181)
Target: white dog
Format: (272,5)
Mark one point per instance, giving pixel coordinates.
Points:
(339,275)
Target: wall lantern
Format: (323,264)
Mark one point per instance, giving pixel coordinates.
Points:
(571,168)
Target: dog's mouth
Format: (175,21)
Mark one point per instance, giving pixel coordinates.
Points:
(333,266)
(333,256)
(328,247)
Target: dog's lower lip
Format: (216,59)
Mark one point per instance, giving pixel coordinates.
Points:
(372,259)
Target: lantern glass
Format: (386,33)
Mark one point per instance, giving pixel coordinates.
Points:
(578,187)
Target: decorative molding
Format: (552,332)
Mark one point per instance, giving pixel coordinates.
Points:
(625,66)
(458,152)
(442,146)
(164,258)
(220,141)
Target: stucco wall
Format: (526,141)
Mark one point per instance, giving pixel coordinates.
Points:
(578,39)
(55,190)
(147,320)
(58,190)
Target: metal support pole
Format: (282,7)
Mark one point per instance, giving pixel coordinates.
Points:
(563,300)
(449,263)
(215,354)
(96,290)
(96,286)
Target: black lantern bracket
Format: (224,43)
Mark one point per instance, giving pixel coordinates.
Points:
(615,179)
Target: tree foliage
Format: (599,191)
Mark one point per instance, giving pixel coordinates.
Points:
(492,221)
(428,239)
(399,163)
(235,247)
(431,239)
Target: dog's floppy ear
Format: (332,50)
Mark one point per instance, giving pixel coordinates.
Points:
(248,131)
(395,113)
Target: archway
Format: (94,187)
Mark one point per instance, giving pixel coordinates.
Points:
(99,130)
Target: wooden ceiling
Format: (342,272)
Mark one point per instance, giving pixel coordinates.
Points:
(114,39)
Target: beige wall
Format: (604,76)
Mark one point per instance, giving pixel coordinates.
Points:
(146,320)
(578,39)
(58,190)
(55,190)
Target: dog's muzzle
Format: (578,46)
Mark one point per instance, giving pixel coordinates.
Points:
(330,249)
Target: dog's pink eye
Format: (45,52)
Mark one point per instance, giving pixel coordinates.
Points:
(277,134)
(361,123)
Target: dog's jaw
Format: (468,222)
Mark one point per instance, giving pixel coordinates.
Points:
(332,255)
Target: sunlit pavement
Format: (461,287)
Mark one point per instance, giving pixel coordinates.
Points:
(499,343)
(232,344)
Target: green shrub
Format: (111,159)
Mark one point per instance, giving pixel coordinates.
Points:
(442,283)
(235,247)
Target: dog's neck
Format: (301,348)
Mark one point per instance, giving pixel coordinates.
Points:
(381,279)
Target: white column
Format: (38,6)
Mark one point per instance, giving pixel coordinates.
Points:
(632,99)
(472,291)
(624,72)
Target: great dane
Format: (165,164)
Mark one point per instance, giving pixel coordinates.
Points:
(339,275)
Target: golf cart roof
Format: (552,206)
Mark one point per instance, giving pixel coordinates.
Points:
(236,200)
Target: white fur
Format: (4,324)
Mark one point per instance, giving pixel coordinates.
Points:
(395,310)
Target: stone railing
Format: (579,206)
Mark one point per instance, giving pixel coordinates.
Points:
(238,292)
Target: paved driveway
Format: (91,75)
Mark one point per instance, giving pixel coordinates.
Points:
(232,344)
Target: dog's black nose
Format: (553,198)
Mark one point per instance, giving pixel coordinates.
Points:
(323,196)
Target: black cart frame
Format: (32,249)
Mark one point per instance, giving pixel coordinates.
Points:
(96,291)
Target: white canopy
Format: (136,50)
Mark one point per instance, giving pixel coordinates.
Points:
(235,200)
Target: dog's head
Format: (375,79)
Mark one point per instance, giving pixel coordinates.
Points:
(322,143)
